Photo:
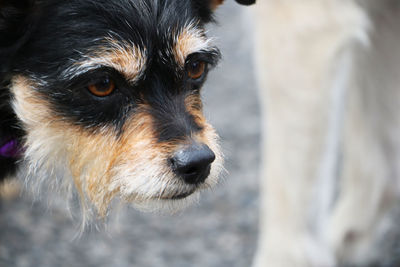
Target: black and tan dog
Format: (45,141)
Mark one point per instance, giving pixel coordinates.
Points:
(103,98)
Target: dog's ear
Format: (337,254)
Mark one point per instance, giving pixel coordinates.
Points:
(215,3)
(13,20)
(15,24)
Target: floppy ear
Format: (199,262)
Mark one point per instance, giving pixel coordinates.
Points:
(13,20)
(14,26)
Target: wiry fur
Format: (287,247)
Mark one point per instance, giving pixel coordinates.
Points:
(118,147)
(124,57)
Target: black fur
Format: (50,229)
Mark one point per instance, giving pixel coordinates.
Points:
(9,130)
(41,39)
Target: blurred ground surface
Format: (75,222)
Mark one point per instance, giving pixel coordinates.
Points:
(218,232)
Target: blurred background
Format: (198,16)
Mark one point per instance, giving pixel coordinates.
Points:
(221,231)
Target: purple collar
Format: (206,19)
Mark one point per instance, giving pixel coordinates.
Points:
(10,149)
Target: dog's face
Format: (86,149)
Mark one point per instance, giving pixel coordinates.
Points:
(108,96)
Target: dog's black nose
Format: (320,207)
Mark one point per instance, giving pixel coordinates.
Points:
(246,2)
(193,163)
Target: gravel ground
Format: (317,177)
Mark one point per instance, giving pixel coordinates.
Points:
(220,231)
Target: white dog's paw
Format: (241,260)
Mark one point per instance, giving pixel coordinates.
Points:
(293,252)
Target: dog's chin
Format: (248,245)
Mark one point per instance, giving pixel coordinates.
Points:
(167,196)
(182,195)
(167,204)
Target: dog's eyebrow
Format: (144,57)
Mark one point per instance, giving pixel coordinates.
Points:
(126,58)
(191,39)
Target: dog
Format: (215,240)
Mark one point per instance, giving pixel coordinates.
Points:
(330,92)
(102,99)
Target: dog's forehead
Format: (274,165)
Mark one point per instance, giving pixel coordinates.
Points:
(143,46)
(131,28)
(157,26)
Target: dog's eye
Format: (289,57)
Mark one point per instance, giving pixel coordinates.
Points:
(102,87)
(196,69)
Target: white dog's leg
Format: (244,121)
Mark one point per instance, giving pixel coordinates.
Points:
(304,54)
(363,221)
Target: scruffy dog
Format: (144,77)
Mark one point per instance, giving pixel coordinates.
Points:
(102,98)
(329,73)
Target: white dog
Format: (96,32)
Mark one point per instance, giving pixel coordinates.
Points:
(329,72)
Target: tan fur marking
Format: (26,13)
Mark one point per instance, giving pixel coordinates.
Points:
(208,135)
(9,189)
(125,57)
(194,106)
(189,40)
(216,3)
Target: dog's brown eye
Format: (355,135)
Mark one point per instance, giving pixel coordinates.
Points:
(196,69)
(102,88)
